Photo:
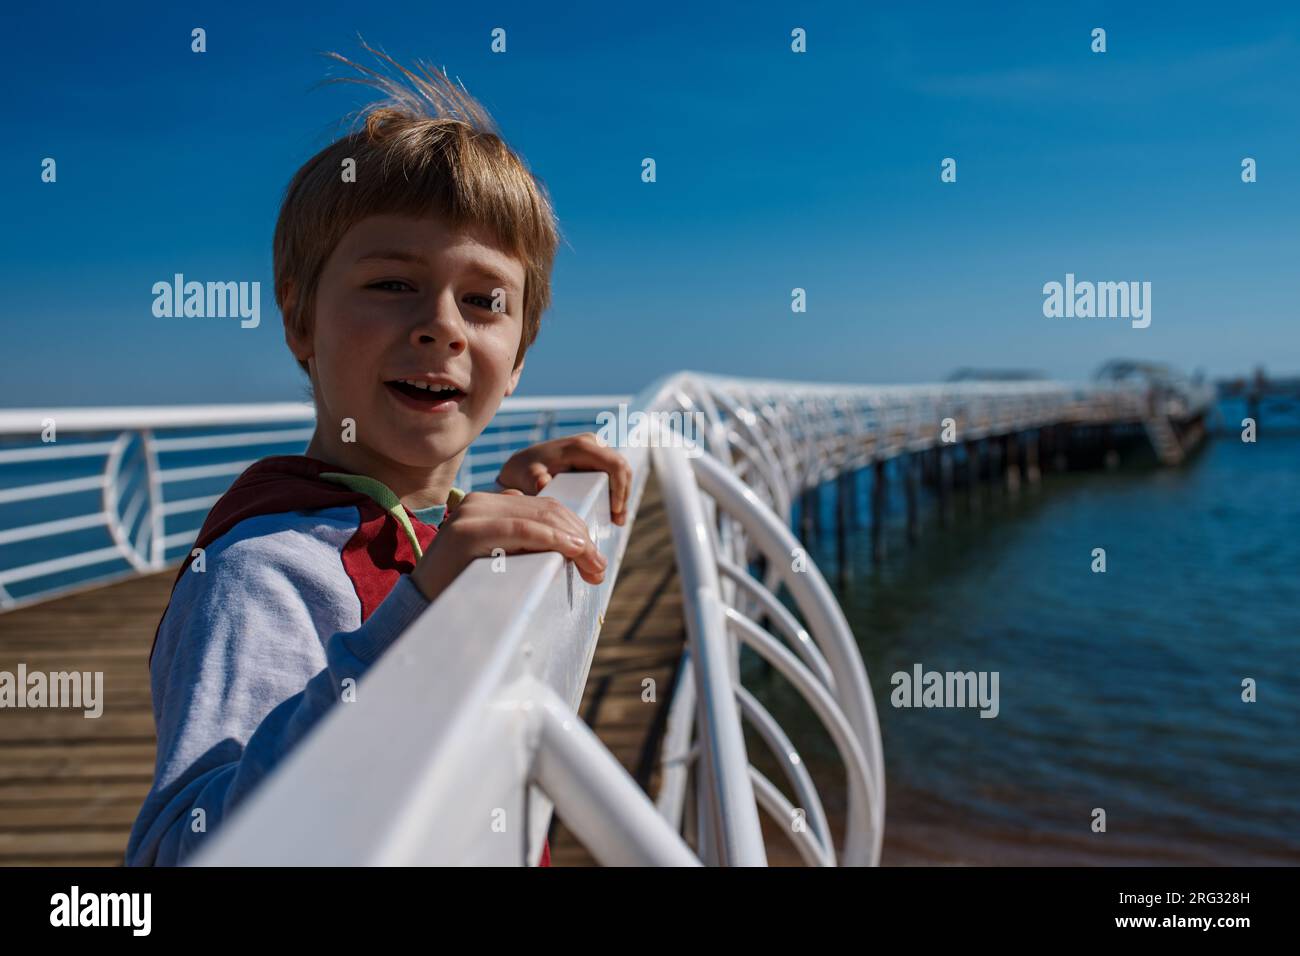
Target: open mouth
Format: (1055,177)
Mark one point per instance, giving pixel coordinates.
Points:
(425,394)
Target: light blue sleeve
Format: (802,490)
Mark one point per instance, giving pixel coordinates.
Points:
(251,653)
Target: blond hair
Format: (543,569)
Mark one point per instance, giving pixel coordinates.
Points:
(427,148)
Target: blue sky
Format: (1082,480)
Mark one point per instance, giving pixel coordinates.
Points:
(775,170)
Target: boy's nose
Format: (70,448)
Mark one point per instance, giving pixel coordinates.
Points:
(441,324)
(456,345)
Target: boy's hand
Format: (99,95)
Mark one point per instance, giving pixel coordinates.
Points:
(532,469)
(517,524)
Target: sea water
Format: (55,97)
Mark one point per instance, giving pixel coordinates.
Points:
(1120,691)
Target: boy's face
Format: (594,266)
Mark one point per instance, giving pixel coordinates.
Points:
(411,299)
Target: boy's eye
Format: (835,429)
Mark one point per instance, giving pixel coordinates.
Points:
(483,301)
(391,285)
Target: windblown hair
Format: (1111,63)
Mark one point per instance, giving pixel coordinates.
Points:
(427,148)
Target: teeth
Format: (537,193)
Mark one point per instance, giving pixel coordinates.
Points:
(428,387)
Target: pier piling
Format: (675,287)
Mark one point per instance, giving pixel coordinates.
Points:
(911,470)
(1033,474)
(878,489)
(973,476)
(945,483)
(1012,469)
(844,494)
(1061,447)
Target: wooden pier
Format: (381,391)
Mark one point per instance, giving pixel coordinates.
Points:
(643,637)
(70,786)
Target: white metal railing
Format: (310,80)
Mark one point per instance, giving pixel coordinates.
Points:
(124,491)
(476,704)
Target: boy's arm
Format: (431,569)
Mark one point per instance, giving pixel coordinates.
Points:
(240,677)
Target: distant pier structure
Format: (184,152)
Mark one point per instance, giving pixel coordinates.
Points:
(1178,407)
(1132,411)
(1172,421)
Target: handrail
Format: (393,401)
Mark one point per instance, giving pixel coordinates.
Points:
(30,421)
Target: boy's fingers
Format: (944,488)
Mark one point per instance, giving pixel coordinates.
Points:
(549,512)
(529,534)
(582,552)
(539,475)
(584,453)
(593,456)
(620,486)
(513,503)
(559,514)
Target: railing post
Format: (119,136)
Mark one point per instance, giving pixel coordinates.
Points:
(723,766)
(599,801)
(157,521)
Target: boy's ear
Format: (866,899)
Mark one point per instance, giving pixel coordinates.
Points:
(300,344)
(514,378)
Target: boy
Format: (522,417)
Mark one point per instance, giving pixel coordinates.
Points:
(410,291)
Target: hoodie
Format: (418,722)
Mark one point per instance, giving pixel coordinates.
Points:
(298,580)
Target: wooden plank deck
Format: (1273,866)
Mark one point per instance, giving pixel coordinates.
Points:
(70,786)
(643,637)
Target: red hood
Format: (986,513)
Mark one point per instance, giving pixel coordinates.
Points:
(375,557)
(273,486)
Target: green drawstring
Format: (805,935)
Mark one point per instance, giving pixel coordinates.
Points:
(383,496)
